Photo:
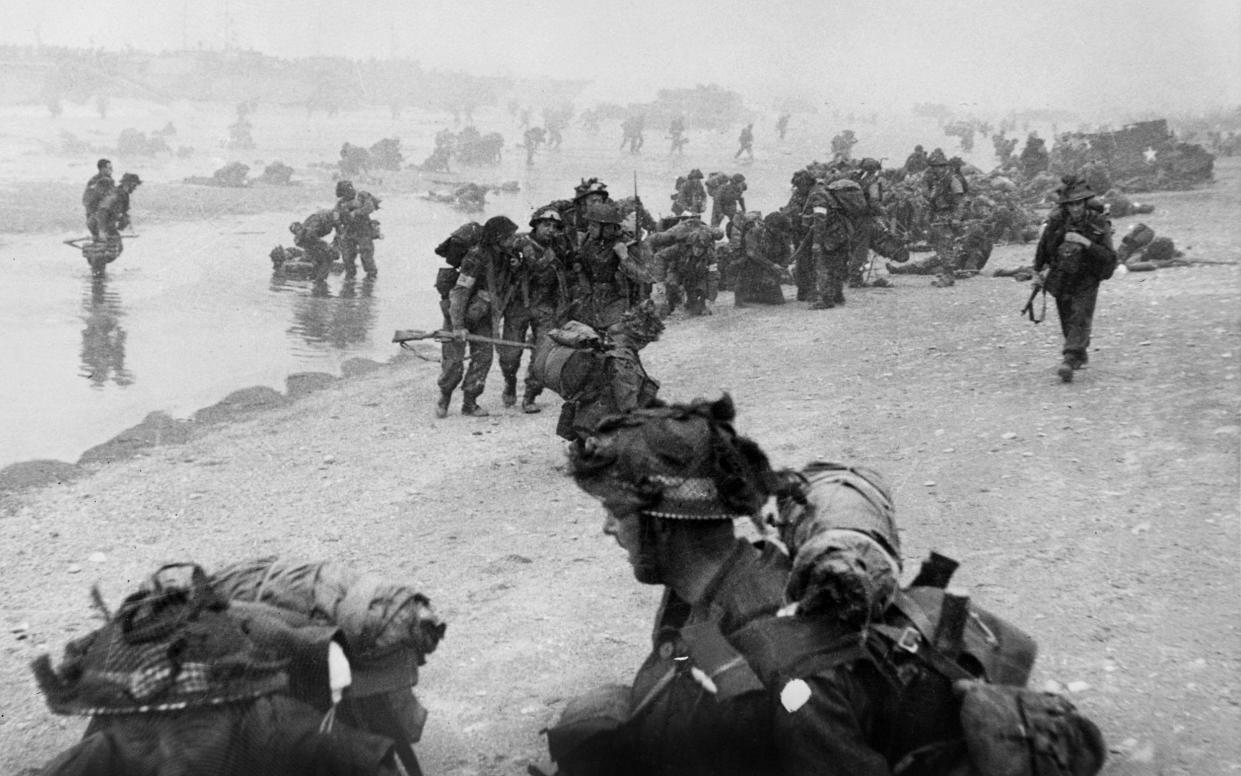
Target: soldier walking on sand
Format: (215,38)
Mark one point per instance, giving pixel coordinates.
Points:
(1073,256)
(472,309)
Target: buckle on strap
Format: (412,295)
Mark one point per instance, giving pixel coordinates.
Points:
(909,641)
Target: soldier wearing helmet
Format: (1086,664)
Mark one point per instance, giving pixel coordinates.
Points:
(308,235)
(356,229)
(690,196)
(541,302)
(916,162)
(602,287)
(109,217)
(761,253)
(728,686)
(945,193)
(1073,256)
(729,199)
(476,306)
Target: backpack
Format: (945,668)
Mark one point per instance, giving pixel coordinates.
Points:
(849,198)
(1009,730)
(453,250)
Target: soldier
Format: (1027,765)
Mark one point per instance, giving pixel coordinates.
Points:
(615,380)
(111,216)
(676,133)
(475,306)
(945,191)
(589,192)
(839,213)
(798,214)
(1073,256)
(761,255)
(916,162)
(746,141)
(541,303)
(603,268)
(685,267)
(691,196)
(355,228)
(1034,157)
(178,680)
(729,199)
(720,692)
(782,124)
(308,235)
(96,188)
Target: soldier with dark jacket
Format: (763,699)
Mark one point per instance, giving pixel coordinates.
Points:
(357,234)
(730,687)
(541,303)
(916,162)
(1073,256)
(729,199)
(945,192)
(762,254)
(308,235)
(111,216)
(838,218)
(603,269)
(475,306)
(96,188)
(797,213)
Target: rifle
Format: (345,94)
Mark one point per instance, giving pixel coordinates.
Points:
(401,336)
(1029,308)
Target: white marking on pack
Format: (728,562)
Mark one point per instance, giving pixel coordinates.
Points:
(794,695)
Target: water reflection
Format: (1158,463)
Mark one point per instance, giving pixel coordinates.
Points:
(341,321)
(103,339)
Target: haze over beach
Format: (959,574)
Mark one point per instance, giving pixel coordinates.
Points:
(226,390)
(1094,57)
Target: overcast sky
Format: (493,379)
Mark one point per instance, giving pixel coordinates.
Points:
(994,54)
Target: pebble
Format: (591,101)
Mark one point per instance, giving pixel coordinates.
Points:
(1010,435)
(929,483)
(74,568)
(1076,687)
(329,459)
(97,557)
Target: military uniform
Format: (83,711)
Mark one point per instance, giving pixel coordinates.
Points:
(1074,270)
(357,236)
(796,211)
(473,305)
(96,189)
(309,234)
(728,200)
(945,192)
(760,256)
(730,687)
(835,233)
(541,305)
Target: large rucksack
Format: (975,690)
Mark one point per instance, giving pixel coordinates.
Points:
(453,250)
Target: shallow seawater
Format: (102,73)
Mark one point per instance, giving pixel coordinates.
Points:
(191,312)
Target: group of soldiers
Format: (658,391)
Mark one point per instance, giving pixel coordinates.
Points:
(106,203)
(797,652)
(356,232)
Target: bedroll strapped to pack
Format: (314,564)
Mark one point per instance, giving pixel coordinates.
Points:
(566,358)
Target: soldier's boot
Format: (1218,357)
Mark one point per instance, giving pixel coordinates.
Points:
(945,279)
(1065,370)
(527,404)
(441,406)
(509,397)
(881,282)
(470,408)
